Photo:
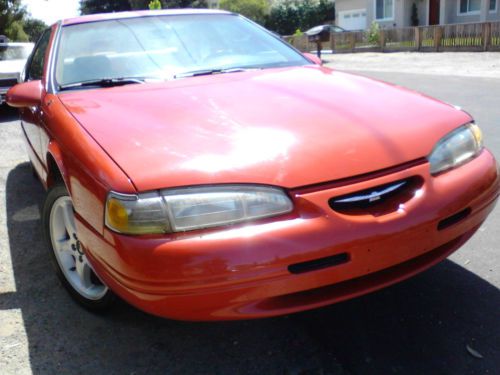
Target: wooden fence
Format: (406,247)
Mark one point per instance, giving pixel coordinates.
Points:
(483,36)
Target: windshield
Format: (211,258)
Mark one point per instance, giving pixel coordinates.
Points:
(167,46)
(14,52)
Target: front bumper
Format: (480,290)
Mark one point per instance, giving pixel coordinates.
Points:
(245,272)
(5,84)
(3,93)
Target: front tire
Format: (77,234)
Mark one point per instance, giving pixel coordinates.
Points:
(67,253)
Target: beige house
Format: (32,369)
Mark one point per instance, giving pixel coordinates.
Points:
(359,14)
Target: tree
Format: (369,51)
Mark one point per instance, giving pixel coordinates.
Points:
(155,5)
(256,10)
(15,32)
(140,4)
(284,19)
(184,3)
(288,16)
(106,6)
(11,20)
(34,28)
(16,24)
(103,6)
(325,11)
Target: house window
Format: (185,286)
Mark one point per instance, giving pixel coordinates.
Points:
(493,6)
(384,9)
(470,6)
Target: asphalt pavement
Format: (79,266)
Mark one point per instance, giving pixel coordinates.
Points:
(438,322)
(465,64)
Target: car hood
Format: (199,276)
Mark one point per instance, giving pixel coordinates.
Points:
(288,127)
(11,68)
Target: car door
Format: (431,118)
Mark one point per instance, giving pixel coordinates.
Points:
(31,117)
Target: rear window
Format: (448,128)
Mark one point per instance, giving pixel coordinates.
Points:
(15,52)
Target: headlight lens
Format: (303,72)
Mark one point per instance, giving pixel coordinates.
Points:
(178,210)
(456,148)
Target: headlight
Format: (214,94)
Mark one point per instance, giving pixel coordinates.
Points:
(456,148)
(178,210)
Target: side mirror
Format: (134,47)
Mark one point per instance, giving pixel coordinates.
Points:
(27,94)
(313,58)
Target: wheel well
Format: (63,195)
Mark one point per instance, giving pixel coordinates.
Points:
(54,175)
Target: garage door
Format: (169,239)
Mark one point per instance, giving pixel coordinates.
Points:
(353,19)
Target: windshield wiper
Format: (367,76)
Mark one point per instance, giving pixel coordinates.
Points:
(106,82)
(208,72)
(121,81)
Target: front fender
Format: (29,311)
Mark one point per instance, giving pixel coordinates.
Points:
(73,156)
(55,165)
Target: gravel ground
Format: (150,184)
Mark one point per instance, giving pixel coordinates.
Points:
(421,326)
(464,64)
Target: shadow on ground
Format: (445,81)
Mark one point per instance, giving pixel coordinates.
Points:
(421,326)
(8,114)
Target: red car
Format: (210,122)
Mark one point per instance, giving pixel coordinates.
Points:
(202,169)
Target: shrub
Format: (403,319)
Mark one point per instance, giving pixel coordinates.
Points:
(373,33)
(154,5)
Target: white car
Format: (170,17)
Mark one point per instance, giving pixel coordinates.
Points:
(13,57)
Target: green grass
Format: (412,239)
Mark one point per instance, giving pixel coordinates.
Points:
(462,42)
(405,44)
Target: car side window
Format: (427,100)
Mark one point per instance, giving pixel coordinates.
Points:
(35,69)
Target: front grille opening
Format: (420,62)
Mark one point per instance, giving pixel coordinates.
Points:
(8,82)
(454,219)
(378,200)
(319,264)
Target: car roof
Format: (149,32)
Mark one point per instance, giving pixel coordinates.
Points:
(16,44)
(138,13)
